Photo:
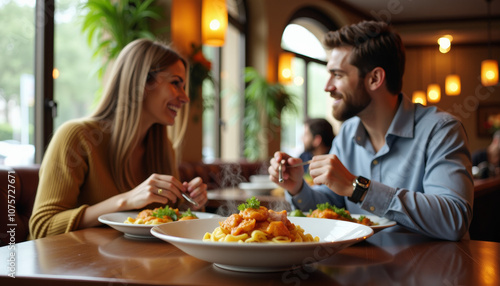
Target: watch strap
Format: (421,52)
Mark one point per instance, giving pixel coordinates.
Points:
(359,189)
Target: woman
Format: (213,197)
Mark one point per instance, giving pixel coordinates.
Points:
(120,157)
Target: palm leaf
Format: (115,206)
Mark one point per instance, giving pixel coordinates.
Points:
(111,25)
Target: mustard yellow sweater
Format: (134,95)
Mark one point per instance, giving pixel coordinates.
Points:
(75,173)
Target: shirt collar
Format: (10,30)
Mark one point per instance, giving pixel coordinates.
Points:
(402,124)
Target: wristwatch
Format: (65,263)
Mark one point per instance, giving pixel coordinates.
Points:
(360,186)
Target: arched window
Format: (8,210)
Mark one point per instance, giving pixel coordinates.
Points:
(303,37)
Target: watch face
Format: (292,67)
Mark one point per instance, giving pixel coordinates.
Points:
(362,181)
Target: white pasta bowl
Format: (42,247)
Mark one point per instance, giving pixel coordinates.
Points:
(334,236)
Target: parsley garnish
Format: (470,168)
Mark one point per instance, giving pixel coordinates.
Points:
(188,213)
(167,211)
(341,211)
(252,203)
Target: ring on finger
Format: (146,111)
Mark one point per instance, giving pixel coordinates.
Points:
(160,191)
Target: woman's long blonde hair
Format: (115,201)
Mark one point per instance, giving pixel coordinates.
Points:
(121,108)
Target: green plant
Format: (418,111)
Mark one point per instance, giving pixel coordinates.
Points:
(114,24)
(264,102)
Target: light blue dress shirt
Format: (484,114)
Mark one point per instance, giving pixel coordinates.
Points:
(421,178)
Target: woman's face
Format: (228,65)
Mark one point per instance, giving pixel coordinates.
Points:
(165,96)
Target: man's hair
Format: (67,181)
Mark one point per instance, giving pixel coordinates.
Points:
(323,128)
(375,44)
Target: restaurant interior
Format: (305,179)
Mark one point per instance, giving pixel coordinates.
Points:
(453,46)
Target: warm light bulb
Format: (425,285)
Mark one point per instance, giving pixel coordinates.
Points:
(445,43)
(213,22)
(433,93)
(214,25)
(55,73)
(419,97)
(489,72)
(452,84)
(285,73)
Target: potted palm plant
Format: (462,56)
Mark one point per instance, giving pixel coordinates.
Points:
(264,103)
(111,25)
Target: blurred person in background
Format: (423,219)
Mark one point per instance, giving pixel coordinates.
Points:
(317,139)
(486,161)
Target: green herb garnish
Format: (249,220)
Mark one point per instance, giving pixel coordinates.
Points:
(251,203)
(188,213)
(167,211)
(341,211)
(297,213)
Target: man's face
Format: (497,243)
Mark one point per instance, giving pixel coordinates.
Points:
(345,86)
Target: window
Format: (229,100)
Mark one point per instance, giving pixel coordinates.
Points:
(17,41)
(222,130)
(302,36)
(75,70)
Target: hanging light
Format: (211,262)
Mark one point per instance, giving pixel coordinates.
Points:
(433,93)
(433,89)
(213,22)
(489,67)
(452,84)
(185,25)
(489,72)
(285,75)
(419,97)
(445,43)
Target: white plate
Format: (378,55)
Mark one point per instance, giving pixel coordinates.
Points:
(116,221)
(259,179)
(258,188)
(381,222)
(334,236)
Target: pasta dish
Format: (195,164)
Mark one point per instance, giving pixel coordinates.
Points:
(160,215)
(332,212)
(257,224)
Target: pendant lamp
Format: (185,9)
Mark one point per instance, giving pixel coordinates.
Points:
(489,67)
(213,22)
(285,75)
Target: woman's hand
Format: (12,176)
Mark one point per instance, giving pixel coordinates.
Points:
(292,177)
(155,189)
(197,190)
(328,170)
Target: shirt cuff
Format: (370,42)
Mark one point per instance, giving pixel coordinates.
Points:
(304,200)
(378,198)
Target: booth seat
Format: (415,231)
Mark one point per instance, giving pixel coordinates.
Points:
(18,187)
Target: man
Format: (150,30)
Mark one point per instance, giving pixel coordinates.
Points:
(487,160)
(317,139)
(391,158)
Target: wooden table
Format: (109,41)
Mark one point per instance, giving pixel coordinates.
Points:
(103,256)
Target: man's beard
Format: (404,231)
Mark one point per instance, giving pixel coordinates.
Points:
(308,147)
(353,104)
